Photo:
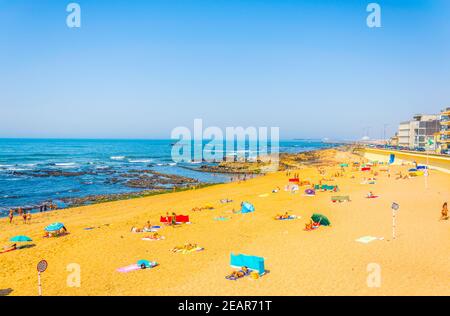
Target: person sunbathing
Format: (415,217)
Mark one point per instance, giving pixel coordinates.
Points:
(444,212)
(147,227)
(12,247)
(239,274)
(135,230)
(370,194)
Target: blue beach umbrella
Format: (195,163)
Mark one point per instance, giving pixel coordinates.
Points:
(20,238)
(247,207)
(54,227)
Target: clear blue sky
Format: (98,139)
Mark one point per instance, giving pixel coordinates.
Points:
(137,69)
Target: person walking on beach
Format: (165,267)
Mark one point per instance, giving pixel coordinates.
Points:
(24,217)
(11,215)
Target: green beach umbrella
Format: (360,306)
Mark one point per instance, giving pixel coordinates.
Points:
(20,239)
(321,218)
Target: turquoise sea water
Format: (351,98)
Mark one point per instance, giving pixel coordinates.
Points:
(96,162)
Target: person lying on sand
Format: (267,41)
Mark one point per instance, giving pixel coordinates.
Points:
(12,247)
(311,225)
(238,274)
(370,194)
(186,247)
(135,230)
(283,216)
(444,212)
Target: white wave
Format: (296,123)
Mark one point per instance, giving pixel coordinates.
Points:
(29,164)
(167,164)
(17,169)
(65,164)
(139,160)
(117,157)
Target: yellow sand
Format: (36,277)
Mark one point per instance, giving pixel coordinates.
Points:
(327,261)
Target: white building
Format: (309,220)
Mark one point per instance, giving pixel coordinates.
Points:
(414,133)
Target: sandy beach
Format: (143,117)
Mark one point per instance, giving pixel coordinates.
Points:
(326,261)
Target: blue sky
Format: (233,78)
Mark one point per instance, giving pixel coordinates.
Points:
(138,69)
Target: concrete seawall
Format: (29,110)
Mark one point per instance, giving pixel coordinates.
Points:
(437,162)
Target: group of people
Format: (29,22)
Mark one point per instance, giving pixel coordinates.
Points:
(26,216)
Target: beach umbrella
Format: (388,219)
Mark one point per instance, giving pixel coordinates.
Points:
(321,218)
(54,227)
(20,238)
(247,207)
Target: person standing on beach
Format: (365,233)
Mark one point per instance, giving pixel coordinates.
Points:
(28,219)
(11,215)
(444,212)
(24,217)
(174,219)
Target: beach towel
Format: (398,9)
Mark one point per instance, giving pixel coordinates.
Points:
(223,201)
(368,239)
(186,251)
(310,192)
(151,238)
(178,219)
(136,266)
(263,195)
(290,217)
(221,218)
(372,197)
(340,199)
(365,169)
(8,250)
(294,180)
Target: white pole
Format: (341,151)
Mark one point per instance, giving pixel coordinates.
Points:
(39,284)
(426,173)
(393,224)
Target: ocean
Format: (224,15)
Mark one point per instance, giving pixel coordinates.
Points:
(34,171)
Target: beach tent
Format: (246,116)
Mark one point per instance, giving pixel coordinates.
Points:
(247,207)
(54,227)
(251,262)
